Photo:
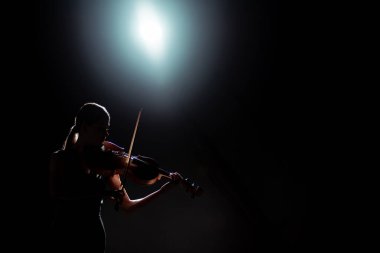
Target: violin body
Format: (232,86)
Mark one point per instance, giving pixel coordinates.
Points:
(141,169)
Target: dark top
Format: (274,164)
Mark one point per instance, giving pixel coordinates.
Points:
(79,192)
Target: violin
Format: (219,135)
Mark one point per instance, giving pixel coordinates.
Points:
(145,170)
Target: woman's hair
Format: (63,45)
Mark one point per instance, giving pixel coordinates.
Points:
(88,114)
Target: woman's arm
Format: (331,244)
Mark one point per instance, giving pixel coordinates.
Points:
(129,204)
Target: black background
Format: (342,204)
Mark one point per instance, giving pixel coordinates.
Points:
(249,139)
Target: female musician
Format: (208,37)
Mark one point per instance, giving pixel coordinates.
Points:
(81,174)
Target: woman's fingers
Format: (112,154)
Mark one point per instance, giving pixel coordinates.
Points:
(176,177)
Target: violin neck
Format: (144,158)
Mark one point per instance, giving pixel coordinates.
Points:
(163,173)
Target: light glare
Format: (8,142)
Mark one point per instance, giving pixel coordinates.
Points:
(151,31)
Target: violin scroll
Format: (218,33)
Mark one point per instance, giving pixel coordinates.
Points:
(191,187)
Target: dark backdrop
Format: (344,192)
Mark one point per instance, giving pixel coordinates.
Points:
(246,136)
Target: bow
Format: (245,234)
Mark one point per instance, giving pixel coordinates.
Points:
(121,191)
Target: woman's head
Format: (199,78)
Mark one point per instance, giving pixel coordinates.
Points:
(90,126)
(91,113)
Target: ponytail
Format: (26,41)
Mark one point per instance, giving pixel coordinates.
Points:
(71,138)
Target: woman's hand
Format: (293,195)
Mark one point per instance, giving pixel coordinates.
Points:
(175,179)
(112,146)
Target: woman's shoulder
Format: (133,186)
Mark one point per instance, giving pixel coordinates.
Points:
(60,154)
(62,157)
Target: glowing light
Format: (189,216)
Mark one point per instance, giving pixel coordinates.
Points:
(151,30)
(157,51)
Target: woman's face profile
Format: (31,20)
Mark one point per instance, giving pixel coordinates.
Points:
(95,134)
